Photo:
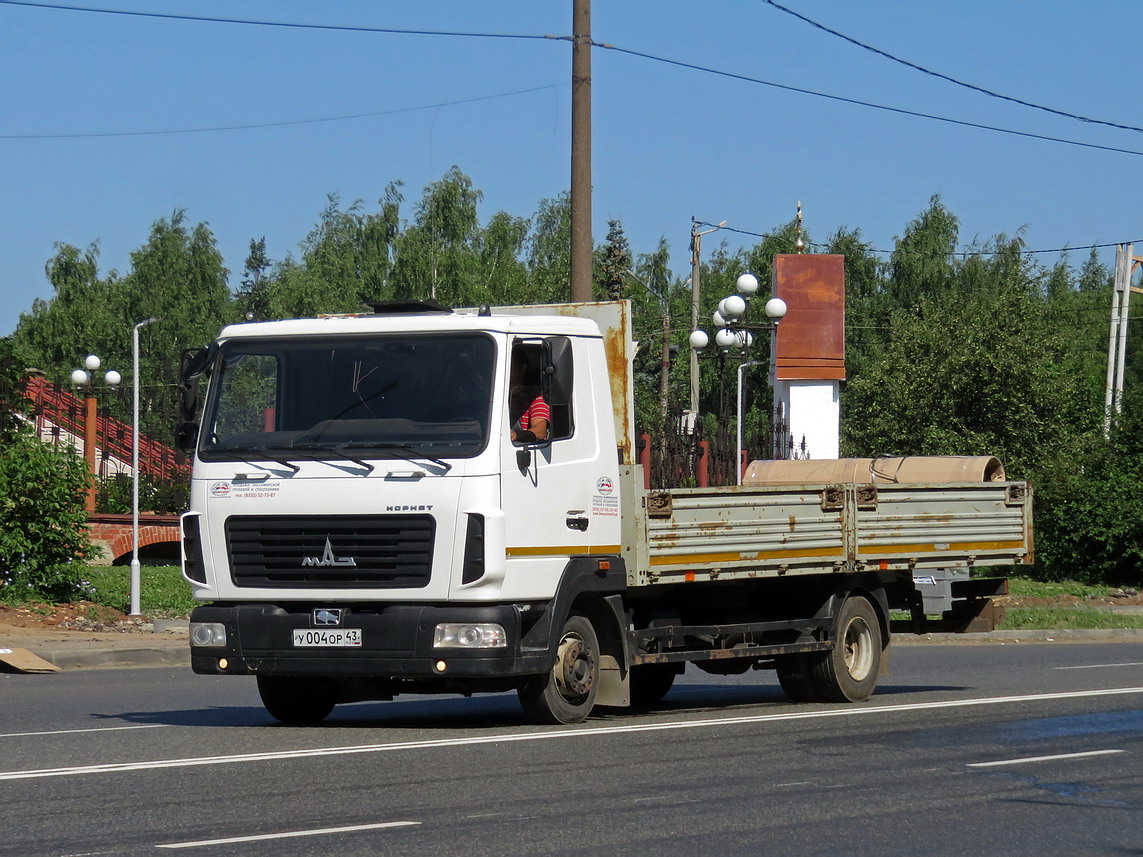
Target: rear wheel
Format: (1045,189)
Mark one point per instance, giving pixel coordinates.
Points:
(846,673)
(650,683)
(794,676)
(567,693)
(297,700)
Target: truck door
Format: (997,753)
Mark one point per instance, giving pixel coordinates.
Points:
(548,485)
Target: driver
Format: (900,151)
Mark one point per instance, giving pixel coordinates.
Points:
(525,400)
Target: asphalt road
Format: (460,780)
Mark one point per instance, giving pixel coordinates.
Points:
(1018,749)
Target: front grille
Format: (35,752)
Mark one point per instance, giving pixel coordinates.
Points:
(369,551)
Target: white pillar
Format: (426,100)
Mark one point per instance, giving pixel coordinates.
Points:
(813,412)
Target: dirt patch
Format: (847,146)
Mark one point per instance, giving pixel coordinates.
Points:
(73,616)
(1116,598)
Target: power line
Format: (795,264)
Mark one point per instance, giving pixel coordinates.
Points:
(282,123)
(527,36)
(946,77)
(859,103)
(966,253)
(261,23)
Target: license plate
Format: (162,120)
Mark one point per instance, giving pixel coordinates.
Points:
(326,637)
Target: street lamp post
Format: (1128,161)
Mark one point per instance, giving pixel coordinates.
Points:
(136,583)
(735,333)
(85,378)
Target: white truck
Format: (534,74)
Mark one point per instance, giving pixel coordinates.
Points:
(363,525)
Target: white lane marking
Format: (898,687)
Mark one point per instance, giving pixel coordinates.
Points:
(1101,666)
(578,732)
(74,731)
(289,835)
(1028,759)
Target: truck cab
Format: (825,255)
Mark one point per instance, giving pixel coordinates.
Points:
(359,508)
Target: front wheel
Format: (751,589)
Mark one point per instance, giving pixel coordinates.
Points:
(297,700)
(567,693)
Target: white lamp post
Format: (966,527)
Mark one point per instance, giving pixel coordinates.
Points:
(135,566)
(734,333)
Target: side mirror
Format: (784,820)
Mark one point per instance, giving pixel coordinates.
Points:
(194,363)
(186,435)
(557,384)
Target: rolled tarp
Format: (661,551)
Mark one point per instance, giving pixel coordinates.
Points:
(909,468)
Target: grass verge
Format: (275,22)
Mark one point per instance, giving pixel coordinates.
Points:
(163,593)
(1065,619)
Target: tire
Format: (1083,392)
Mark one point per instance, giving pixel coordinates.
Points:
(298,701)
(567,693)
(650,683)
(795,678)
(848,672)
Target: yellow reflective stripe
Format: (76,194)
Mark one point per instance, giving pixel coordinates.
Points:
(566,550)
(740,556)
(965,547)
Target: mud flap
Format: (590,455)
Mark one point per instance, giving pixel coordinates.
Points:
(614,684)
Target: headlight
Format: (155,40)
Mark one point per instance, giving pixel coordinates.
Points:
(207,634)
(457,635)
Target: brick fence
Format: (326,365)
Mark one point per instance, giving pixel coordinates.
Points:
(112,533)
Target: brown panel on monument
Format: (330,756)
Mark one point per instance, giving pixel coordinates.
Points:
(811,338)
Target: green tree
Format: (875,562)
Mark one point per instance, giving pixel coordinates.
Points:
(615,261)
(345,261)
(549,251)
(969,375)
(922,264)
(81,317)
(178,278)
(253,297)
(435,255)
(43,534)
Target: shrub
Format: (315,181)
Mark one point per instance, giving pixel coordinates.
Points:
(1089,518)
(43,526)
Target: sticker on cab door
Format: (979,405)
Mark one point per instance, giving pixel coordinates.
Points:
(255,490)
(220,489)
(604,503)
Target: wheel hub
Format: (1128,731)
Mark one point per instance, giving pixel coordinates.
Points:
(858,645)
(575,668)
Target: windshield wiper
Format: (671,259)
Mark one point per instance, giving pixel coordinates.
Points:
(337,451)
(409,453)
(235,451)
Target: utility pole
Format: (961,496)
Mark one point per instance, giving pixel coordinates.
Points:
(581,246)
(1117,339)
(696,248)
(696,252)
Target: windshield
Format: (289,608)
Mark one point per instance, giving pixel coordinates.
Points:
(386,395)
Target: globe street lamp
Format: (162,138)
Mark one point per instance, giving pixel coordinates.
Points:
(85,379)
(735,333)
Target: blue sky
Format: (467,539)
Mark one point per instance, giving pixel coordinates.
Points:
(669,142)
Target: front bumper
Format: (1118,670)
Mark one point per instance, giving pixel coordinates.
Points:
(396,642)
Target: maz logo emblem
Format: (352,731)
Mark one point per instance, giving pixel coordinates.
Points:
(327,616)
(327,558)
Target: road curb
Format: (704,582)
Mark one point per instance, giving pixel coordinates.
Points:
(95,658)
(1125,635)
